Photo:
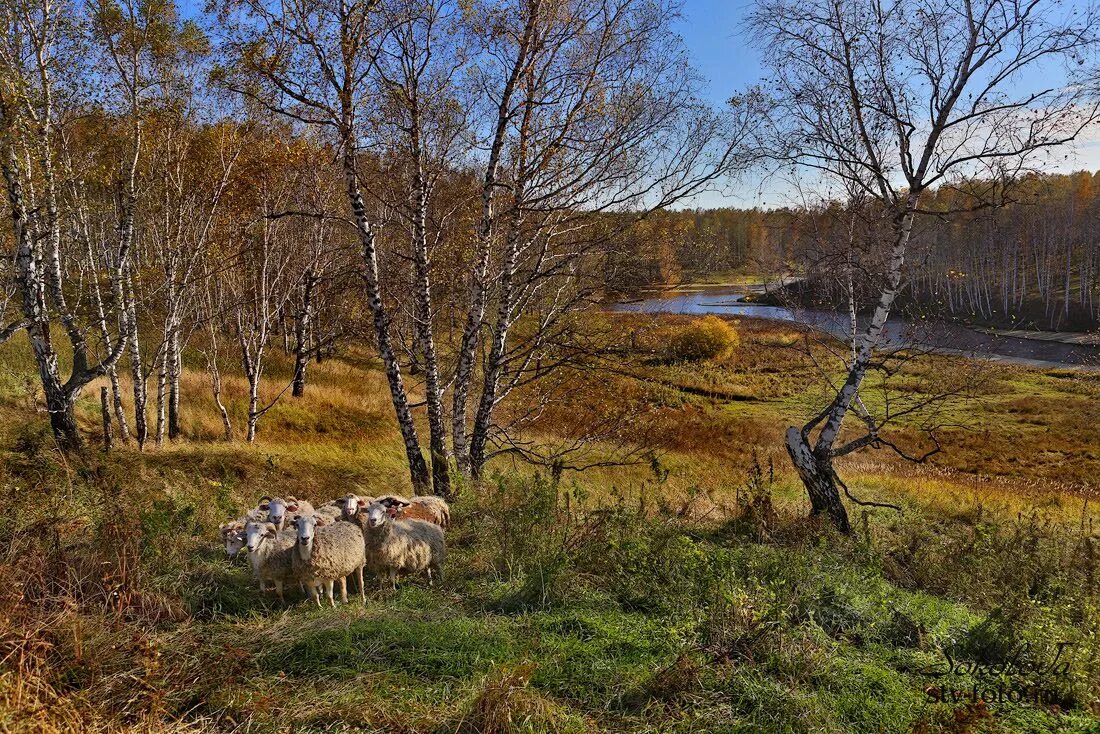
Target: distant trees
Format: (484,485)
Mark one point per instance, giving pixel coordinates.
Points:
(888,101)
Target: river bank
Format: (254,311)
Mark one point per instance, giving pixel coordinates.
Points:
(942,337)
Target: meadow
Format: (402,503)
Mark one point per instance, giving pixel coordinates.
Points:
(683,591)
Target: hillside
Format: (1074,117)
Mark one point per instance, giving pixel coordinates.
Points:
(685,592)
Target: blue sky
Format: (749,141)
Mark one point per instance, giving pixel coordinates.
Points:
(714,35)
(712,31)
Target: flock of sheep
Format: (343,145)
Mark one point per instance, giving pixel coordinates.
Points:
(290,542)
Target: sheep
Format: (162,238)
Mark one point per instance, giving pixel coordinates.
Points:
(271,553)
(327,553)
(280,510)
(352,504)
(427,507)
(232,534)
(396,546)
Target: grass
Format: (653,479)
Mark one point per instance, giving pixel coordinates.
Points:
(684,593)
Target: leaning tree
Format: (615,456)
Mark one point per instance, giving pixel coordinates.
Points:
(888,99)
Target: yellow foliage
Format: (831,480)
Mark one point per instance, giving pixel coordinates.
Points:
(707,338)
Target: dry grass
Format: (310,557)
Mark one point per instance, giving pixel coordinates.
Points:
(122,616)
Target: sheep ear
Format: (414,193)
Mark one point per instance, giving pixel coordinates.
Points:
(270,530)
(264,505)
(293,507)
(362,503)
(399,503)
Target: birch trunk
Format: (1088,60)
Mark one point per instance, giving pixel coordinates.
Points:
(137,372)
(418,468)
(437,431)
(302,327)
(483,420)
(478,286)
(175,368)
(814,465)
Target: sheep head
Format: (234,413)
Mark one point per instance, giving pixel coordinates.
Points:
(232,534)
(352,504)
(378,513)
(256,533)
(276,511)
(306,527)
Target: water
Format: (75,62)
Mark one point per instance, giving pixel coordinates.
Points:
(941,337)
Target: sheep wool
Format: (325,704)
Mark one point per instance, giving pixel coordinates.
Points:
(402,546)
(271,553)
(327,553)
(330,512)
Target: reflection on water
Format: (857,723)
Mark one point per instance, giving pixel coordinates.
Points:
(938,336)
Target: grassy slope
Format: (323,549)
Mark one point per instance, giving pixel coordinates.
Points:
(693,600)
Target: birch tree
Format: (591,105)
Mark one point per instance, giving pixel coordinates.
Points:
(603,118)
(894,98)
(313,63)
(41,55)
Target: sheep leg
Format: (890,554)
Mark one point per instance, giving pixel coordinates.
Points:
(393,579)
(343,589)
(328,592)
(315,592)
(279,591)
(362,590)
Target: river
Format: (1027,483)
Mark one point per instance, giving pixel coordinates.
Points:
(937,336)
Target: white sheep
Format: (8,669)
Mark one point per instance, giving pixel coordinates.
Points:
(271,553)
(396,546)
(352,505)
(232,534)
(327,553)
(281,510)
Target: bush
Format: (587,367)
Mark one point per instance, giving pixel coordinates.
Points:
(707,338)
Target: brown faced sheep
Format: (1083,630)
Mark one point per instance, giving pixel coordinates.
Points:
(271,553)
(426,507)
(402,546)
(327,553)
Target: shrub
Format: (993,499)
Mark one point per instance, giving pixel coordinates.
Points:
(707,338)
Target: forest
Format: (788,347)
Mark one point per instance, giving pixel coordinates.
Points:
(333,397)
(1031,260)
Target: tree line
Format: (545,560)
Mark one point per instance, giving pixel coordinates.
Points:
(1033,258)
